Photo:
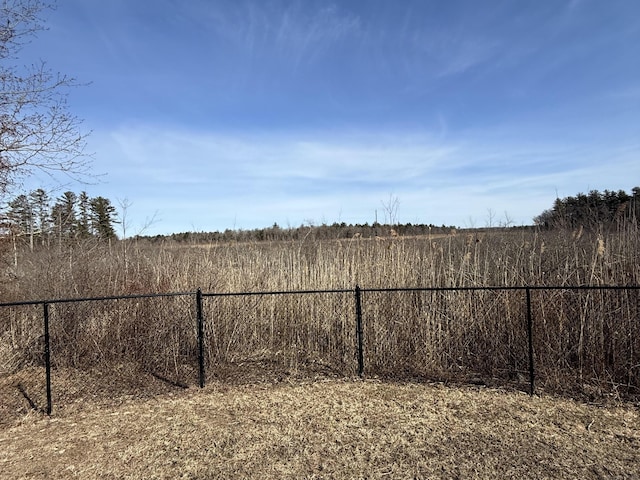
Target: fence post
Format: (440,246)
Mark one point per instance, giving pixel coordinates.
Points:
(530,339)
(359,331)
(200,337)
(47,355)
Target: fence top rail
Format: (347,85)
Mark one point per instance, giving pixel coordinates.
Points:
(276,292)
(94,299)
(493,288)
(337,290)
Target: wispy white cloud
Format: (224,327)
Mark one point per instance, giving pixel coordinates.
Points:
(359,159)
(450,54)
(296,35)
(626,94)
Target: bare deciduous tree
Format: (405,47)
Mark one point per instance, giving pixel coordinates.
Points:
(391,209)
(37,131)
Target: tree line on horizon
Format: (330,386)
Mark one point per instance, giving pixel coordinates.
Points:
(594,210)
(334,231)
(77,216)
(71,216)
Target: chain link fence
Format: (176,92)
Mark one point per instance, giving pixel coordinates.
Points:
(279,333)
(587,340)
(575,340)
(60,352)
(22,347)
(467,335)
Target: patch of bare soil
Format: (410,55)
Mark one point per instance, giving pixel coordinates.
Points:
(326,428)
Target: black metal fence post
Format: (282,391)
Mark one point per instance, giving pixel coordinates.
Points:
(359,331)
(201,373)
(47,355)
(530,339)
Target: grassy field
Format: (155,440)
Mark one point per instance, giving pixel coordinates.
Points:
(281,401)
(586,343)
(327,428)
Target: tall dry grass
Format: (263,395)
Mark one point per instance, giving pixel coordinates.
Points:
(585,341)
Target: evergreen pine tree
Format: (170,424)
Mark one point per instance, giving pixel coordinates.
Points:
(84,215)
(103,217)
(64,216)
(40,204)
(20,215)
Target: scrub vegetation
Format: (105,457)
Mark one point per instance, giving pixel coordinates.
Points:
(281,399)
(586,341)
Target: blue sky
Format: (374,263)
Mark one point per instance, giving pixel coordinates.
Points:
(215,114)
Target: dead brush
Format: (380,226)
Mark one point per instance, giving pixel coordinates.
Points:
(580,339)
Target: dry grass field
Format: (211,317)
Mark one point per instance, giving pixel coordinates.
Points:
(586,343)
(327,428)
(287,406)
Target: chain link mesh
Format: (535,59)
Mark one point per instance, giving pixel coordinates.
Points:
(99,349)
(280,334)
(22,375)
(585,341)
(448,335)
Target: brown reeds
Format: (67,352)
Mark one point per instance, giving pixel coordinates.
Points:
(585,341)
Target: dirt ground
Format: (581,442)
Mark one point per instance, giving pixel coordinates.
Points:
(326,428)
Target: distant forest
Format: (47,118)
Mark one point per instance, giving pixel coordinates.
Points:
(313,232)
(77,216)
(593,210)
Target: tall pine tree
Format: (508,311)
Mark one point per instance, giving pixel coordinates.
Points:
(64,216)
(21,215)
(103,217)
(84,215)
(41,207)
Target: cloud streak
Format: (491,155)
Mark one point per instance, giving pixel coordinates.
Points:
(296,35)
